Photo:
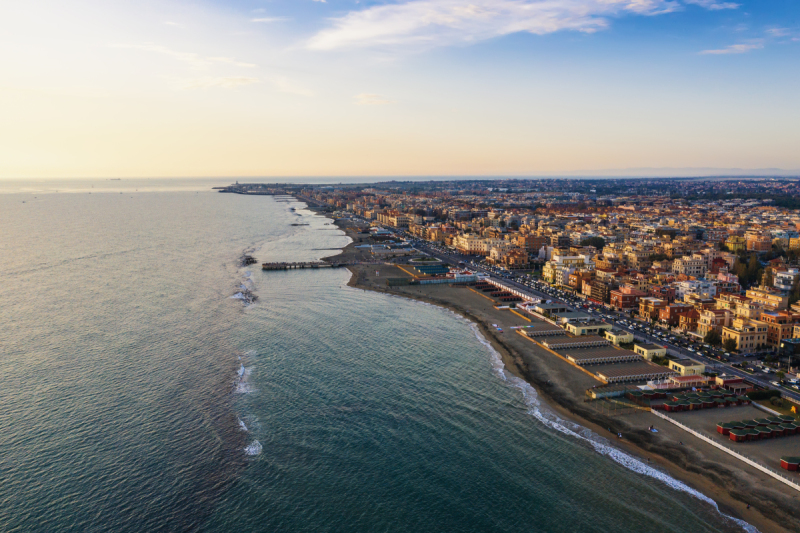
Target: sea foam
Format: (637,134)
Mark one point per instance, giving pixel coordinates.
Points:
(254,448)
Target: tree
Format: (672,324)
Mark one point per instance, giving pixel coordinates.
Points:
(780,374)
(794,293)
(597,242)
(713,338)
(729,345)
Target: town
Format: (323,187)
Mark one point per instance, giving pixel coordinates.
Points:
(613,304)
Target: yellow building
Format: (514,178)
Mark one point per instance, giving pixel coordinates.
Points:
(749,335)
(687,367)
(735,243)
(590,327)
(619,336)
(648,351)
(768,298)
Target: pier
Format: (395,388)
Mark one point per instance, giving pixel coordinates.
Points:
(293,266)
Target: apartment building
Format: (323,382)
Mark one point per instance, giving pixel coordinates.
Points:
(748,334)
(694,266)
(769,298)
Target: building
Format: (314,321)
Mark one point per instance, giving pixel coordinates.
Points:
(748,334)
(626,298)
(784,279)
(702,288)
(650,308)
(687,367)
(648,351)
(619,336)
(769,298)
(589,327)
(735,243)
(759,243)
(634,371)
(780,325)
(713,320)
(694,266)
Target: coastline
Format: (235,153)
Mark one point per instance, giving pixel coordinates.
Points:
(691,464)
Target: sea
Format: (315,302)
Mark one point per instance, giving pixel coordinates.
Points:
(143,390)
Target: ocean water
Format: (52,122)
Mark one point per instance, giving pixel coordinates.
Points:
(137,395)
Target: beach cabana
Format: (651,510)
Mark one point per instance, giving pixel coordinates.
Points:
(739,435)
(790,463)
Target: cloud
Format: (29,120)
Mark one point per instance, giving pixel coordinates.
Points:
(231,61)
(195,61)
(269,19)
(371,99)
(429,23)
(741,48)
(778,32)
(713,5)
(229,82)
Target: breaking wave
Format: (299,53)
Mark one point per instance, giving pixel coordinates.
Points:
(254,448)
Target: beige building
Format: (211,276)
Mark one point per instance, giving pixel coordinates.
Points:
(694,265)
(687,367)
(589,327)
(619,336)
(768,298)
(750,335)
(648,351)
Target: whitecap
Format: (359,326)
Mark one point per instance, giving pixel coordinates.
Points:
(242,425)
(251,353)
(600,445)
(254,448)
(242,387)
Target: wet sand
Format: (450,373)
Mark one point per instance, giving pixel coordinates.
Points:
(730,482)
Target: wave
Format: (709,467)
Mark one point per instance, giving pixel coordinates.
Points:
(242,425)
(599,444)
(254,448)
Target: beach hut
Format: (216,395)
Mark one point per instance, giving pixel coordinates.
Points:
(791,429)
(749,424)
(739,435)
(726,427)
(763,422)
(753,434)
(764,432)
(786,418)
(777,431)
(790,463)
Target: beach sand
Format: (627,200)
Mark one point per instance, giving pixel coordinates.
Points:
(730,482)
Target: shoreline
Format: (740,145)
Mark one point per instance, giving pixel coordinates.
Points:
(713,480)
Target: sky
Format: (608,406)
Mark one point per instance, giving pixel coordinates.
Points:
(267,88)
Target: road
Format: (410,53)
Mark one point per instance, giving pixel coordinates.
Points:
(454,259)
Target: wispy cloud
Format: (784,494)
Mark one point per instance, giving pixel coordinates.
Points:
(371,99)
(195,61)
(231,61)
(713,5)
(741,48)
(269,19)
(778,32)
(429,23)
(228,82)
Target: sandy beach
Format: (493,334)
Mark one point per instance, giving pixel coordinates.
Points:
(731,483)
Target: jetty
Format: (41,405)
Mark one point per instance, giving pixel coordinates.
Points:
(298,265)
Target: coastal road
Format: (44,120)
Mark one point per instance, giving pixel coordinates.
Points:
(683,352)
